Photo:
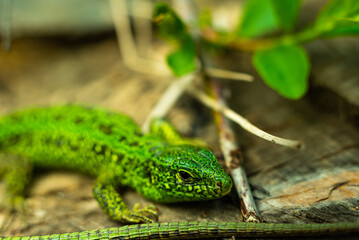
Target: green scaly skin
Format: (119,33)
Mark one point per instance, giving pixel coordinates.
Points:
(110,147)
(197,230)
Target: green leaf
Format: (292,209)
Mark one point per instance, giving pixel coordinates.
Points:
(286,13)
(335,18)
(183,60)
(337,9)
(284,68)
(170,27)
(343,27)
(257,19)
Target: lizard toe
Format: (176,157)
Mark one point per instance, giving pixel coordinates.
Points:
(150,210)
(136,217)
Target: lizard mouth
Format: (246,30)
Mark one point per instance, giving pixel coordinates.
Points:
(217,193)
(221,188)
(226,192)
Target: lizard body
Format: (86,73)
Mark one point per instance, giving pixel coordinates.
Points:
(110,147)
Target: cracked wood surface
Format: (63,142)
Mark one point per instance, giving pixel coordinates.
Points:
(318,184)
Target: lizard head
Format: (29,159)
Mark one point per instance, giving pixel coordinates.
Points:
(188,173)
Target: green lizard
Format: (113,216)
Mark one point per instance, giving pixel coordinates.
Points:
(111,147)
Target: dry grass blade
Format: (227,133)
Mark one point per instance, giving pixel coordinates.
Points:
(244,123)
(227,74)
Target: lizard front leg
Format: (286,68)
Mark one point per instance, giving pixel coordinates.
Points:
(16,172)
(112,203)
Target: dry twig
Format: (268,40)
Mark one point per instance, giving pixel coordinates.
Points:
(233,157)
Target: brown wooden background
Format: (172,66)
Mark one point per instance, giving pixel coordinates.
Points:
(317,184)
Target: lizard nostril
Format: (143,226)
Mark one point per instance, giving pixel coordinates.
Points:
(219,184)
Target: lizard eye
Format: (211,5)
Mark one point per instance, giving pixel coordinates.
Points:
(184,176)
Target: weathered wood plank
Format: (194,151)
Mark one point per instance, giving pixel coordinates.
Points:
(335,77)
(319,183)
(45,72)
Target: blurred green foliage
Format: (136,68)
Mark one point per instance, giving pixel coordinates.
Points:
(334,19)
(285,13)
(171,28)
(269,27)
(257,19)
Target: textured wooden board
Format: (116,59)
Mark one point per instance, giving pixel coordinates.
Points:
(318,184)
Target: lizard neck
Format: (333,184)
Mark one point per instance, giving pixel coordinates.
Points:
(135,168)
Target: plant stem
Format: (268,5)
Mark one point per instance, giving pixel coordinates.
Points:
(251,45)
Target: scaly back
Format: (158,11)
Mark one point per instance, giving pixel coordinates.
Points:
(54,137)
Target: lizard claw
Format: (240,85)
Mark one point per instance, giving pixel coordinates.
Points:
(147,214)
(149,209)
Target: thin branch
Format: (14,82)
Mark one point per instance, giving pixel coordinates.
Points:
(250,45)
(244,123)
(233,157)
